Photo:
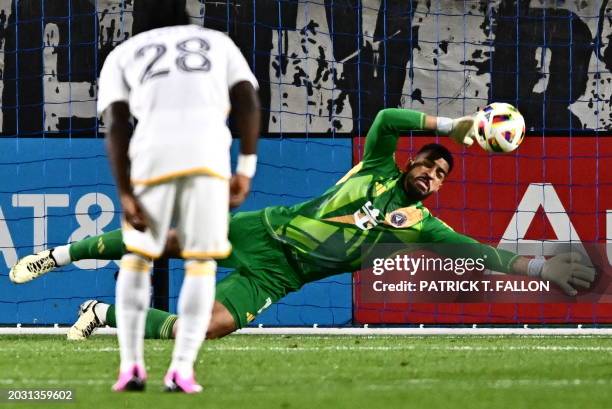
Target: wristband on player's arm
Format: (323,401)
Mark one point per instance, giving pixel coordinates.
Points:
(535,267)
(246,165)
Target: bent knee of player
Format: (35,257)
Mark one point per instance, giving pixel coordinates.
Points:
(221,322)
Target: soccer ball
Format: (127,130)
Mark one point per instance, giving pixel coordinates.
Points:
(500,127)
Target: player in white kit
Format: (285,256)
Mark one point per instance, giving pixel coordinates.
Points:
(179,82)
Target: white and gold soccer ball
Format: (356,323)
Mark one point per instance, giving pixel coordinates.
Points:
(499,127)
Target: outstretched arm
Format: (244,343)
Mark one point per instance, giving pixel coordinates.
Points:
(381,140)
(565,270)
(389,124)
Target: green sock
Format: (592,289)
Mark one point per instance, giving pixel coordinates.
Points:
(107,246)
(158,325)
(111,319)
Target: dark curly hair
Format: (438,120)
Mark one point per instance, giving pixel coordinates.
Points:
(437,151)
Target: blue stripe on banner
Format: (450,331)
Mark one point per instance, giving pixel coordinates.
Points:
(53,191)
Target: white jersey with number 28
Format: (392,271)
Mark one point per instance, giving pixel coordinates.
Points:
(176,81)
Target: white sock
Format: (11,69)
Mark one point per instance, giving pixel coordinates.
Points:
(132,301)
(61,255)
(444,125)
(100,310)
(194,309)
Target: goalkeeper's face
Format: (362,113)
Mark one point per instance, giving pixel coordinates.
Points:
(425,175)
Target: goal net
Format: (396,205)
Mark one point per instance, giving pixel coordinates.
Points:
(325,69)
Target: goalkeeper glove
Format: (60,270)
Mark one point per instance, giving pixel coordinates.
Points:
(462,131)
(565,270)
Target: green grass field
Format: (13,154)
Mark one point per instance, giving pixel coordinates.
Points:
(314,372)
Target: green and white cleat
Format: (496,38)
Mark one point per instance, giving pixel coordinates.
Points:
(86,324)
(32,266)
(463,130)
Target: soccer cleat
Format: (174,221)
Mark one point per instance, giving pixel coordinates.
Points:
(173,382)
(463,130)
(86,324)
(133,380)
(32,266)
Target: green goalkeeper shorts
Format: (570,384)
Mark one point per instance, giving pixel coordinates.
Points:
(262,275)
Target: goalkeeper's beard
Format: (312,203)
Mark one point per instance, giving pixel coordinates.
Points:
(412,192)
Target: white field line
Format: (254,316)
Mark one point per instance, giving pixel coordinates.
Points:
(425,331)
(489,384)
(424,383)
(362,331)
(347,348)
(466,348)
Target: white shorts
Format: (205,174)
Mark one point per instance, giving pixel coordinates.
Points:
(198,206)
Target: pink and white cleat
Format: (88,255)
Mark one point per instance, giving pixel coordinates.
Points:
(175,383)
(131,380)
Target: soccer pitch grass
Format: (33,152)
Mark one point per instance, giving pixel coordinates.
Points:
(247,371)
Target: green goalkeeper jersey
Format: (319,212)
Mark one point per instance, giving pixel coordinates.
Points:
(368,206)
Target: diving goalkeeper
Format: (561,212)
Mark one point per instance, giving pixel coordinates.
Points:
(279,249)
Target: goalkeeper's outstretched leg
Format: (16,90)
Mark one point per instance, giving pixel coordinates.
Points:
(160,324)
(93,314)
(262,275)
